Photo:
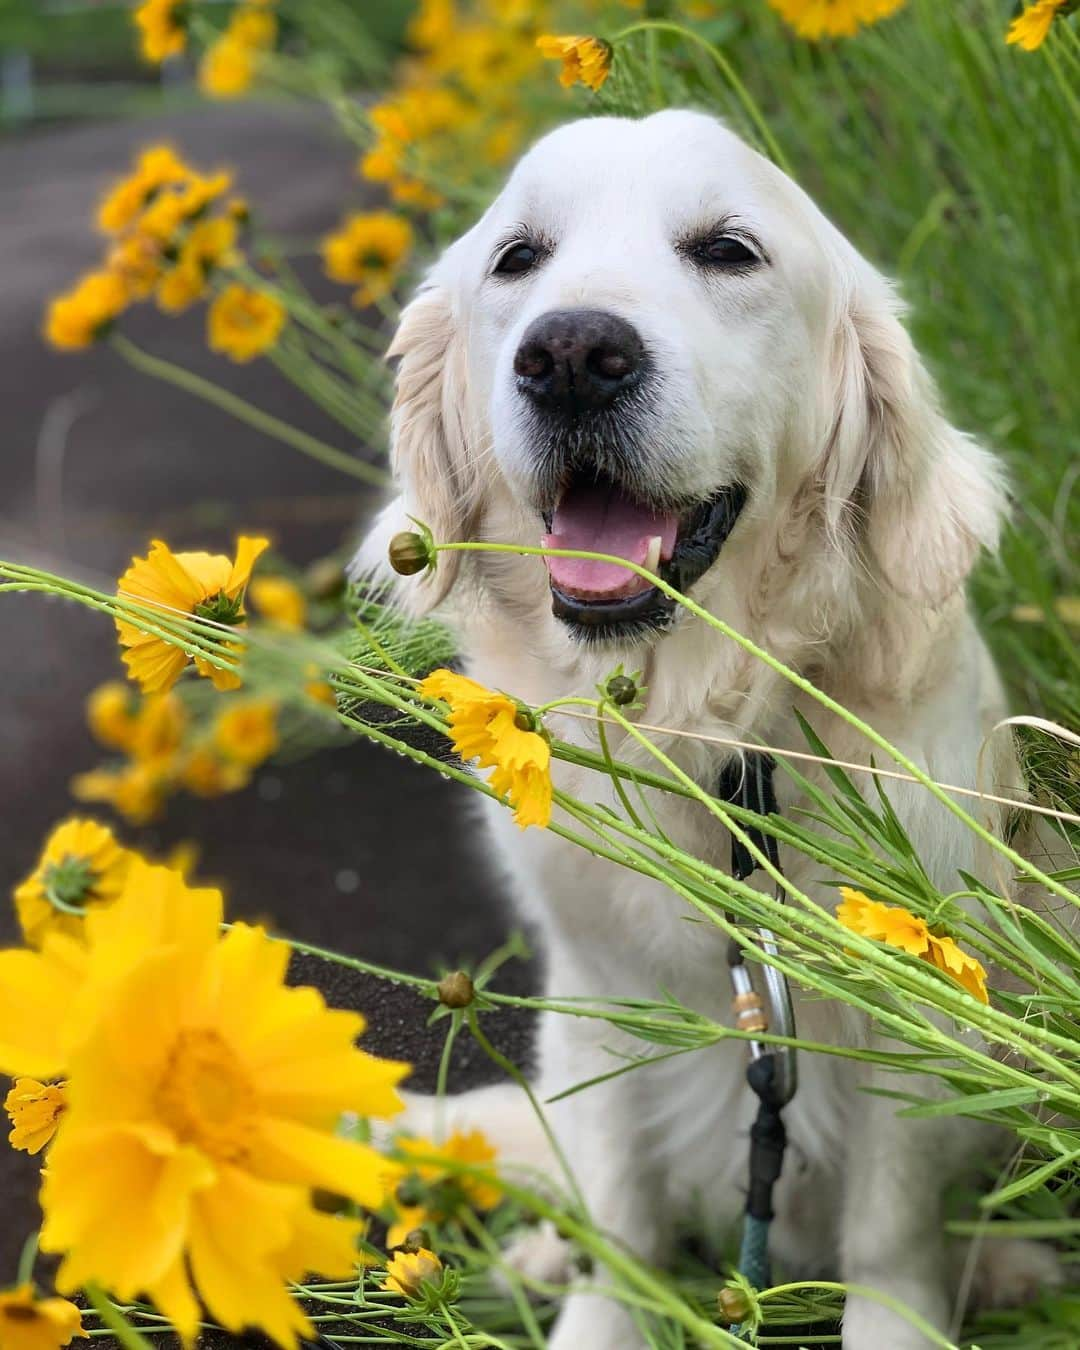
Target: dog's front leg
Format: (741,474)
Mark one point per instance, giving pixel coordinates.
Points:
(893,1239)
(603,1133)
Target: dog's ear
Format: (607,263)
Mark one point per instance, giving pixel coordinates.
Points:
(430,452)
(925,497)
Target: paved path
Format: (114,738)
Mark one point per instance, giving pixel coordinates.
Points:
(354,848)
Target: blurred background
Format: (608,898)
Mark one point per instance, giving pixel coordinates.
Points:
(350,848)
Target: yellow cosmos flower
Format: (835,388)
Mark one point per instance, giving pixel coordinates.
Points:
(31,1323)
(81,864)
(969,972)
(170,211)
(902,929)
(157,166)
(230,65)
(242,324)
(246,732)
(208,244)
(80,316)
(429,1191)
(162,30)
(204,773)
(433,24)
(1030,29)
(137,261)
(409,1271)
(484,726)
(110,714)
(206,584)
(203,1099)
(34,1110)
(816,19)
(584,59)
(136,791)
(280,601)
(368,250)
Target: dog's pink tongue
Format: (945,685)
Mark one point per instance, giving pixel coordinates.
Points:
(599,518)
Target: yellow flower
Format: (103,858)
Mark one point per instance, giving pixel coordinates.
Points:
(242,324)
(136,260)
(80,865)
(207,245)
(204,1095)
(966,969)
(368,250)
(280,601)
(206,584)
(228,69)
(833,18)
(441,1188)
(169,211)
(1029,30)
(484,726)
(434,24)
(206,774)
(246,732)
(35,1110)
(82,315)
(179,288)
(408,1272)
(158,166)
(31,1323)
(162,30)
(900,928)
(587,59)
(137,791)
(110,714)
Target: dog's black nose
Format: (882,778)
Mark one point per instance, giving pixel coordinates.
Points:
(578,359)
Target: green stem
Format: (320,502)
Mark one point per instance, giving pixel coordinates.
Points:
(800,682)
(27,1257)
(864,1291)
(239,408)
(729,73)
(112,1318)
(512,1071)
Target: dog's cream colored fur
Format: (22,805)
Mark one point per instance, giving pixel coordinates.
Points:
(866,511)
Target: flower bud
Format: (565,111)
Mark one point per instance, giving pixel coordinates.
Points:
(621,689)
(416,1239)
(733,1304)
(409,553)
(456,990)
(325,578)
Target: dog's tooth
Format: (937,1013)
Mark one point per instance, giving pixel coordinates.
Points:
(652,557)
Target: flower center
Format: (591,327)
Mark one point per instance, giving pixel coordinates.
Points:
(205,1096)
(68,883)
(20,1312)
(222,608)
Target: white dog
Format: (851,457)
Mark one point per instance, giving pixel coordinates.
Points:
(654,345)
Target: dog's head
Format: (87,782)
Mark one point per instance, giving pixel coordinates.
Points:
(652,344)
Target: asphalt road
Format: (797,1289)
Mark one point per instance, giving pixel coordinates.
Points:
(352,849)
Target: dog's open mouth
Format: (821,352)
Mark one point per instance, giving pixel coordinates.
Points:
(600,516)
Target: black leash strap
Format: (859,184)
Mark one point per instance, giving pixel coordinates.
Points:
(771,1073)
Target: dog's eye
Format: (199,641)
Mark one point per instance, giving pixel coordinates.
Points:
(518,258)
(724,250)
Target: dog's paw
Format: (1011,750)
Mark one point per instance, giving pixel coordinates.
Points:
(868,1325)
(594,1322)
(1013,1271)
(539,1254)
